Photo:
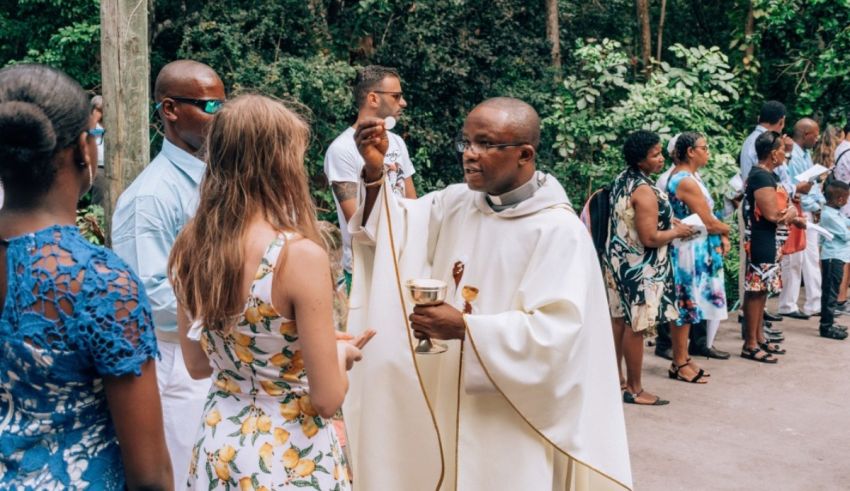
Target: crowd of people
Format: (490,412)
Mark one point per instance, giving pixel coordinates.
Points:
(666,241)
(203,350)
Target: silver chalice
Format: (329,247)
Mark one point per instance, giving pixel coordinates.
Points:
(427,292)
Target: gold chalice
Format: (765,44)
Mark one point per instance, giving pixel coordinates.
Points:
(427,292)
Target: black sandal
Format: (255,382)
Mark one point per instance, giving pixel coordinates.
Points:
(750,354)
(704,374)
(673,372)
(630,398)
(772,348)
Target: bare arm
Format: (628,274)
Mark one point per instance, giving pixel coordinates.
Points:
(690,193)
(346,196)
(645,204)
(766,201)
(304,282)
(196,361)
(137,415)
(372,143)
(409,189)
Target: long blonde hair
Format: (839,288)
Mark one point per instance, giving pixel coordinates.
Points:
(824,152)
(255,153)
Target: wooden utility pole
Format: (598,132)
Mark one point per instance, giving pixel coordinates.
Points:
(553,32)
(126,98)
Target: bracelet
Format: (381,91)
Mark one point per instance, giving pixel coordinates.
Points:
(376,182)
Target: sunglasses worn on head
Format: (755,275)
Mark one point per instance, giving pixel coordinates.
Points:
(209,106)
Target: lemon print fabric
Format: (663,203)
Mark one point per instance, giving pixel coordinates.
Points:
(260,430)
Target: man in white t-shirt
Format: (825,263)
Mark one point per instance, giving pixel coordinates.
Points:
(377,93)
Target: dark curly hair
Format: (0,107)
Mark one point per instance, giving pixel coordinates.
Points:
(637,146)
(686,141)
(771,112)
(42,111)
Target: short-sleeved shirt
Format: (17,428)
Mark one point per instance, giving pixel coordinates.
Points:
(343,163)
(761,231)
(74,313)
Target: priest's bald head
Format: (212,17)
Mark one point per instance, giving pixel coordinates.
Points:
(499,145)
(187,94)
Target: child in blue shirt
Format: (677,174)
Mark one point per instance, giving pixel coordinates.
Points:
(834,253)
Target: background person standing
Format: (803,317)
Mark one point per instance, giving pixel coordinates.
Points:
(149,215)
(378,94)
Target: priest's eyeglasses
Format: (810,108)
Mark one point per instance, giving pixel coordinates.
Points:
(479,147)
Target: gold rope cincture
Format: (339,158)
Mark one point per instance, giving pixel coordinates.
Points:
(409,335)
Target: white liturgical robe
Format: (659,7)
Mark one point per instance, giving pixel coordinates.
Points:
(529,400)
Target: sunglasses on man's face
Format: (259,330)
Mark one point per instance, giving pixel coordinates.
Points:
(209,106)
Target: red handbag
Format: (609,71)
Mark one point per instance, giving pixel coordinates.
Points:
(796,241)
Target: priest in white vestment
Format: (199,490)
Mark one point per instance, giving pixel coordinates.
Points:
(526,397)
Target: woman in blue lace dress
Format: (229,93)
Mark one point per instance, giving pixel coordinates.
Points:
(77,348)
(697,262)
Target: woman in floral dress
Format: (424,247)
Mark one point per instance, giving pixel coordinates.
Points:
(640,282)
(698,262)
(250,270)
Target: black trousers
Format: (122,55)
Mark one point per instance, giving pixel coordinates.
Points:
(831,272)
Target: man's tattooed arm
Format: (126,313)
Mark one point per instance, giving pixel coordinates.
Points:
(344,191)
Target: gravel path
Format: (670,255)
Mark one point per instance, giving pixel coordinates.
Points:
(753,426)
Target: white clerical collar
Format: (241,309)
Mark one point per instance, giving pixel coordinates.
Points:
(516,196)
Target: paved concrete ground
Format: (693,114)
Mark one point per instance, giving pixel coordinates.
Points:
(753,426)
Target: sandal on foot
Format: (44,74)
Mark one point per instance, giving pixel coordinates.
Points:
(752,354)
(772,348)
(673,373)
(704,373)
(630,398)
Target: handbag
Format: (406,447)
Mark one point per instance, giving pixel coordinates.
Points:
(796,240)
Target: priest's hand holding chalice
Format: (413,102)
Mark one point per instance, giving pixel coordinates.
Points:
(432,317)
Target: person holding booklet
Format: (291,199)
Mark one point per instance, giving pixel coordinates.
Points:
(802,266)
(697,261)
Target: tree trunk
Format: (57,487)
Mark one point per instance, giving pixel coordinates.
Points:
(749,29)
(553,33)
(126,74)
(645,34)
(658,42)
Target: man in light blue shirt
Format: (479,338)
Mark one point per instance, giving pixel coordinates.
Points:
(149,215)
(803,265)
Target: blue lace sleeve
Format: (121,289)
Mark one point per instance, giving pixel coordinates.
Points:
(120,335)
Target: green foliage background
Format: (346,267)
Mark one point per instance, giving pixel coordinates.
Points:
(454,53)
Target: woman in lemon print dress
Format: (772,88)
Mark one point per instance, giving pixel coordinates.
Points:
(255,294)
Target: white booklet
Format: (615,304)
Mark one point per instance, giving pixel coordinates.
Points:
(812,173)
(820,230)
(694,221)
